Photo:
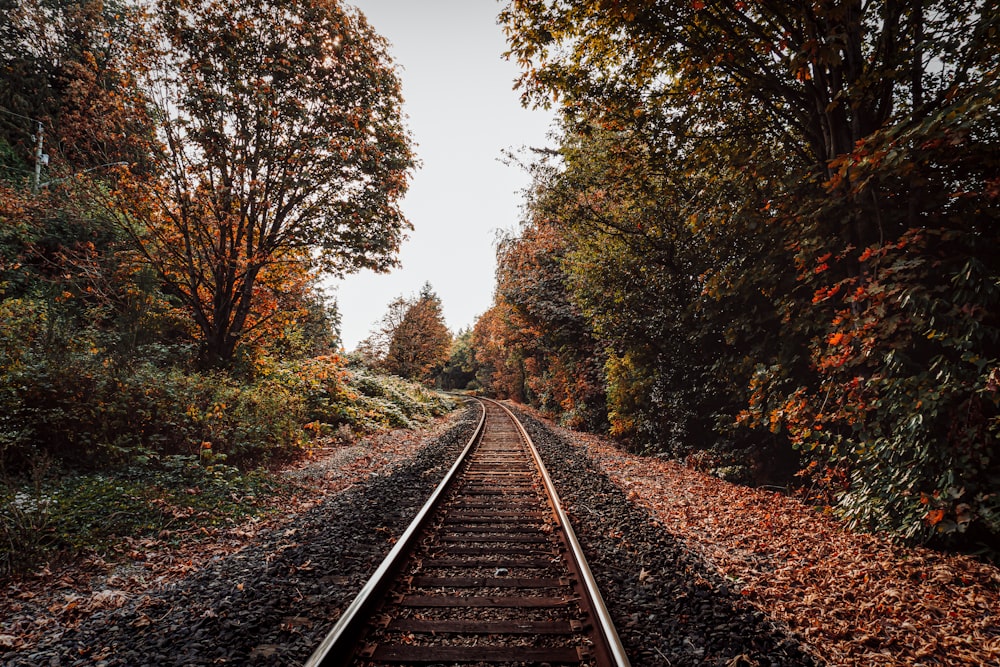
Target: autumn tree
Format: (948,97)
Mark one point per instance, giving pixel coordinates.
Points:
(500,339)
(374,348)
(814,77)
(70,67)
(562,358)
(419,345)
(282,143)
(67,86)
(640,272)
(831,166)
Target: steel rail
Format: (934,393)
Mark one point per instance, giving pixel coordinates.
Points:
(331,652)
(336,650)
(608,634)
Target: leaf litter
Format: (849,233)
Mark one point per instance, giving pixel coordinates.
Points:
(852,599)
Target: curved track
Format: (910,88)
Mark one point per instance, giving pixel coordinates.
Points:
(489,573)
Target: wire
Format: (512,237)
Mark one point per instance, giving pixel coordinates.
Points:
(11,113)
(85,171)
(16,169)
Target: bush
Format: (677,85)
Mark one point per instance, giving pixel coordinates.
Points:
(153,447)
(72,403)
(214,415)
(388,401)
(902,428)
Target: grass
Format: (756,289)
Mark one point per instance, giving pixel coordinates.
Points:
(92,512)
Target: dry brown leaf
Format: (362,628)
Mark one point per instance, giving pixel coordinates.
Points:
(859,600)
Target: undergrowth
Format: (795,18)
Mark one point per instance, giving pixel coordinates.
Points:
(165,450)
(73,513)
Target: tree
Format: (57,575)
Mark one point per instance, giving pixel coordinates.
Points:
(419,345)
(282,143)
(459,371)
(500,338)
(70,66)
(798,194)
(640,305)
(900,414)
(66,79)
(818,77)
(562,357)
(374,348)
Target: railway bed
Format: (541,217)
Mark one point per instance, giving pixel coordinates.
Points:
(489,573)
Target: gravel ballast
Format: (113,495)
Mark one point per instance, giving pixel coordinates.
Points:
(274,601)
(668,607)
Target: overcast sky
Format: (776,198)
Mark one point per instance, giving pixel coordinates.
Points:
(463,113)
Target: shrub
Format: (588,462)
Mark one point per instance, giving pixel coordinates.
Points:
(902,428)
(65,396)
(388,401)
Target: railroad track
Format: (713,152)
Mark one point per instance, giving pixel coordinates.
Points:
(489,573)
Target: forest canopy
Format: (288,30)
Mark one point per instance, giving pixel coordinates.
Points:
(767,244)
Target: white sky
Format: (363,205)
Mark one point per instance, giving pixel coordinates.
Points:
(463,113)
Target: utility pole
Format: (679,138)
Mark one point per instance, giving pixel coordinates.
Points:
(38,158)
